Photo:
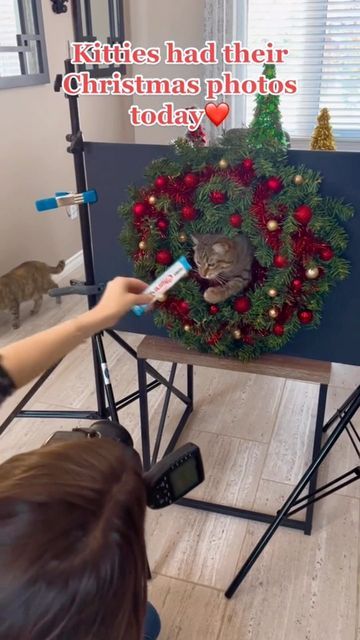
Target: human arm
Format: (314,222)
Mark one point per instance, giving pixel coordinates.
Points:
(28,358)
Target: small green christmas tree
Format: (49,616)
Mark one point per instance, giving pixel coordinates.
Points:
(266,129)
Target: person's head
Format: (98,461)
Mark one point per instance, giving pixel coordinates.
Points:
(72,549)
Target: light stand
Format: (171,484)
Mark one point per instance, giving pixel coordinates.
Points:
(107,407)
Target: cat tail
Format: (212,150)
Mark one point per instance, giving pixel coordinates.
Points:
(59,268)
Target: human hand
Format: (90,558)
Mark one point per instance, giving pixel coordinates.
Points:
(120,295)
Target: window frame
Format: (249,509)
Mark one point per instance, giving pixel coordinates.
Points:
(83,32)
(28,79)
(238,103)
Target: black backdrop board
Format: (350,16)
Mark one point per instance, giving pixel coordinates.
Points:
(111,168)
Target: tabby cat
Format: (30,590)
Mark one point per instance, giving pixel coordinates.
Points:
(224,260)
(29,281)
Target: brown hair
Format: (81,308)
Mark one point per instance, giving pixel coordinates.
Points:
(72,549)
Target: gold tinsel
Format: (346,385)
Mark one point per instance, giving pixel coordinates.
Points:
(322,138)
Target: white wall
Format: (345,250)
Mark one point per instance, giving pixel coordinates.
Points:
(151,23)
(33,159)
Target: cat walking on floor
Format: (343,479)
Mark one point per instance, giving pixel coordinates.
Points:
(225,261)
(29,281)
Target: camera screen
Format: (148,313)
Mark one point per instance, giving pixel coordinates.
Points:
(184,478)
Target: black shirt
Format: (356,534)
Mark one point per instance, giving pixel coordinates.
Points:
(6,385)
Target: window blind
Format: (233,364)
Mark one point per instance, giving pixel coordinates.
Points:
(323,39)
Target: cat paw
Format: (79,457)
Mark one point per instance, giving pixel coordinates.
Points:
(213,295)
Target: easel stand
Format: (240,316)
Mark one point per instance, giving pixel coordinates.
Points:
(271,365)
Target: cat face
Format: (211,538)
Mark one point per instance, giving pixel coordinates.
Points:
(213,255)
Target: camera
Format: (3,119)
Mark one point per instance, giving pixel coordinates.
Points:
(167,481)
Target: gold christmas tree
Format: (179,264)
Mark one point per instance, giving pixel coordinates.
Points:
(322,138)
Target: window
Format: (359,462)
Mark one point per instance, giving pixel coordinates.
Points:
(22,44)
(323,38)
(101,20)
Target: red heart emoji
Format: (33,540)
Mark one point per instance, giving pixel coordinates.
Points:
(217,112)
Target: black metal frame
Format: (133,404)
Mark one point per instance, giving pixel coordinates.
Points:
(293,504)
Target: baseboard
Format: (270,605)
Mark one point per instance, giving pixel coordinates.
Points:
(71,265)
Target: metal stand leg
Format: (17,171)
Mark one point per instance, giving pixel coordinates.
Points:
(144,415)
(106,382)
(291,501)
(163,414)
(320,418)
(190,384)
(99,387)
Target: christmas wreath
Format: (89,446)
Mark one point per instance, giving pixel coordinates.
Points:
(225,189)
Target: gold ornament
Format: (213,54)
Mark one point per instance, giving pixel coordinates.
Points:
(272,293)
(187,328)
(272,225)
(223,164)
(299,180)
(236,334)
(142,245)
(152,200)
(161,297)
(273,313)
(312,273)
(183,237)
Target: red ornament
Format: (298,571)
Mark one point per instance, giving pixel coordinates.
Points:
(280,262)
(139,209)
(303,214)
(161,182)
(183,307)
(296,285)
(236,220)
(217,197)
(188,213)
(326,254)
(164,257)
(248,164)
(242,305)
(214,339)
(278,329)
(191,180)
(214,309)
(162,225)
(305,317)
(274,184)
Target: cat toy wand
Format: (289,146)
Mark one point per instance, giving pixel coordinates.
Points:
(66,199)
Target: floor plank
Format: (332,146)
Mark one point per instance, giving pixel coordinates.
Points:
(291,446)
(243,461)
(193,545)
(303,588)
(179,604)
(228,403)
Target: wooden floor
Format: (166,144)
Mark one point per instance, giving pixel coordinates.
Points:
(255,434)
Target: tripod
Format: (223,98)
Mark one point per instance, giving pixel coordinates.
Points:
(107,407)
(294,503)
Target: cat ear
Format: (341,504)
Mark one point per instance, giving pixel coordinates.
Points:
(195,240)
(221,248)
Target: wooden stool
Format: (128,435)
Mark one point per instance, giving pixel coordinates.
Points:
(165,350)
